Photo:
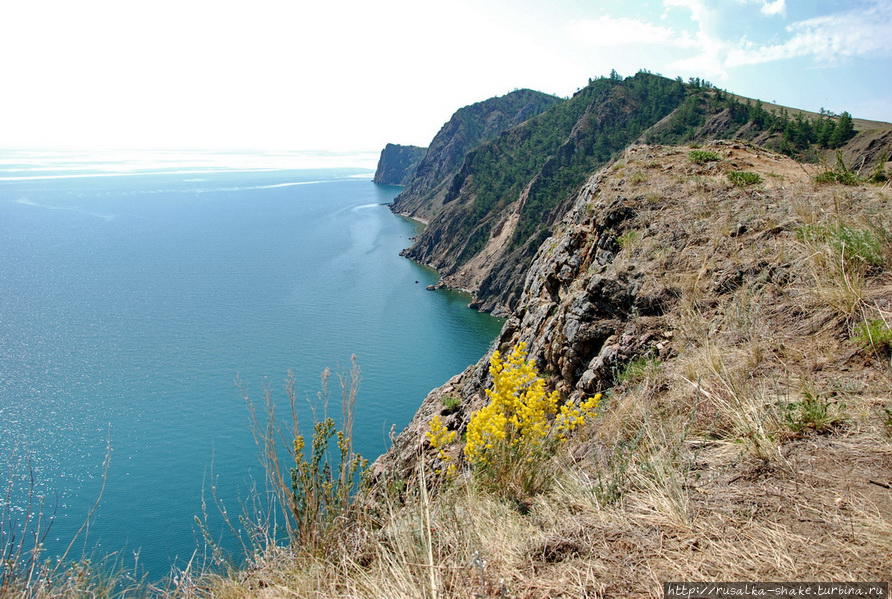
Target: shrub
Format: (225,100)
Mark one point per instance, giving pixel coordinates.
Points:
(439,437)
(812,413)
(627,239)
(854,244)
(636,369)
(874,334)
(451,403)
(703,156)
(887,420)
(315,495)
(841,174)
(846,177)
(743,178)
(322,490)
(637,177)
(878,174)
(508,439)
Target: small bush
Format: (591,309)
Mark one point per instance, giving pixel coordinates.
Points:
(439,437)
(843,177)
(874,334)
(627,239)
(637,177)
(703,156)
(743,178)
(315,495)
(508,439)
(854,244)
(841,174)
(637,369)
(451,403)
(878,174)
(887,420)
(812,413)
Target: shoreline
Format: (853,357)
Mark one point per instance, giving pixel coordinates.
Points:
(406,215)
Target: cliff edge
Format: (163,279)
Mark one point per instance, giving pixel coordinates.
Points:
(728,324)
(397,164)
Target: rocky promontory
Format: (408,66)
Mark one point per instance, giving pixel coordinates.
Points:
(397,164)
(465,130)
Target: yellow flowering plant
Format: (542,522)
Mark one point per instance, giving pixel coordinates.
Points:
(518,428)
(438,437)
(521,425)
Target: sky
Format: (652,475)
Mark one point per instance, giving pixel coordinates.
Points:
(348,76)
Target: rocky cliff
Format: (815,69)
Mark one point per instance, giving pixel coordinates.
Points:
(662,261)
(397,164)
(489,218)
(499,206)
(469,127)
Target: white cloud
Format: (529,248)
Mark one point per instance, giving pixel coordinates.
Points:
(708,62)
(826,39)
(777,7)
(609,31)
(769,8)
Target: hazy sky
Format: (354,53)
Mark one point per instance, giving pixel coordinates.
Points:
(341,75)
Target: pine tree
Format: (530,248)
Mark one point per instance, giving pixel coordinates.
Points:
(843,131)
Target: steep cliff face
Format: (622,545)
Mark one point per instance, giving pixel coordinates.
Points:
(397,164)
(493,213)
(500,205)
(468,127)
(667,262)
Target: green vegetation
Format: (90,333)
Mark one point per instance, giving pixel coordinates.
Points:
(878,174)
(485,120)
(627,239)
(451,403)
(840,174)
(637,177)
(397,163)
(321,489)
(743,178)
(617,112)
(557,150)
(703,156)
(316,496)
(854,244)
(844,177)
(746,119)
(637,369)
(887,420)
(813,412)
(874,334)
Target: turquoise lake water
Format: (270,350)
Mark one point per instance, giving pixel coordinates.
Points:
(130,303)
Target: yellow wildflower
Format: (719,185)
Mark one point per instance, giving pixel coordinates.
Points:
(520,414)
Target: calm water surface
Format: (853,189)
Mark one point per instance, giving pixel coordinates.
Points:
(129,305)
